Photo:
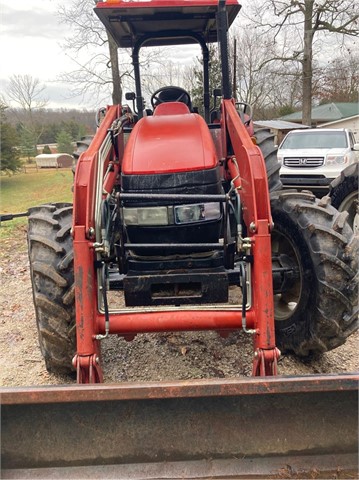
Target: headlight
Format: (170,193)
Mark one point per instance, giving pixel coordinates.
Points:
(336,159)
(181,214)
(280,158)
(146,216)
(197,213)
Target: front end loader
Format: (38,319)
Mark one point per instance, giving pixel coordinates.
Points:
(179,223)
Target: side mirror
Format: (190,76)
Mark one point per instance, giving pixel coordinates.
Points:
(130,96)
(356,147)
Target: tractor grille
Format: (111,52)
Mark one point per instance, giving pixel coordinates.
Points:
(307,162)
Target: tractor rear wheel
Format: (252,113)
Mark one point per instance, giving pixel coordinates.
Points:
(52,278)
(81,146)
(265,141)
(318,309)
(343,192)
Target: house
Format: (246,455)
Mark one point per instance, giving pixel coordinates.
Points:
(54,160)
(331,115)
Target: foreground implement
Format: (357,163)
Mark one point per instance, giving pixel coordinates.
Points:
(302,427)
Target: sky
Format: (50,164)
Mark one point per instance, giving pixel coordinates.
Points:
(31,36)
(31,42)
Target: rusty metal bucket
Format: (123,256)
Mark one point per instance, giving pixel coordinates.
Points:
(276,427)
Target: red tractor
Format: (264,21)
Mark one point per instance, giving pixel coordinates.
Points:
(179,221)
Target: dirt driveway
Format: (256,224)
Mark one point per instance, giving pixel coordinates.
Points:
(148,357)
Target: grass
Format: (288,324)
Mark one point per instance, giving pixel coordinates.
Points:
(24,190)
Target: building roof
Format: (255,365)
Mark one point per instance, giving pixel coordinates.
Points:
(53,156)
(328,112)
(278,124)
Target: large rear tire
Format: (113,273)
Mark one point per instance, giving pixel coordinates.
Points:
(52,278)
(265,141)
(320,309)
(81,146)
(343,192)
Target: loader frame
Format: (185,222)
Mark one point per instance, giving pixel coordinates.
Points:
(96,174)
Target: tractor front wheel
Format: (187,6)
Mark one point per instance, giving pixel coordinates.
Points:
(52,278)
(317,309)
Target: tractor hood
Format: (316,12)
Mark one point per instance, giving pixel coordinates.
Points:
(169,144)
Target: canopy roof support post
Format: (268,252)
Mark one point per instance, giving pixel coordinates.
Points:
(222,25)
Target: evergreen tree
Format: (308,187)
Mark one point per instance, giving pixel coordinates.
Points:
(64,142)
(28,143)
(73,128)
(10,155)
(51,130)
(215,79)
(46,149)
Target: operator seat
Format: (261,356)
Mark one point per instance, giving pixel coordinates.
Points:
(171,108)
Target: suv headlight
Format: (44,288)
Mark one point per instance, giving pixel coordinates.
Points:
(336,159)
(181,214)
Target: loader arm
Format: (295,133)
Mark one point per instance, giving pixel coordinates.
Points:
(248,173)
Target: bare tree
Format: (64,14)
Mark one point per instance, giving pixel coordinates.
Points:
(163,72)
(101,69)
(94,51)
(339,80)
(262,81)
(27,93)
(253,73)
(305,19)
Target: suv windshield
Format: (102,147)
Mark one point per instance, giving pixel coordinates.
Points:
(300,140)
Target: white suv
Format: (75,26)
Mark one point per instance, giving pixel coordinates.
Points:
(312,158)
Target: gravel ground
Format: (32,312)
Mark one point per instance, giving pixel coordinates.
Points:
(154,357)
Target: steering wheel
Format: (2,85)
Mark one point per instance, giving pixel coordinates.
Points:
(171,94)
